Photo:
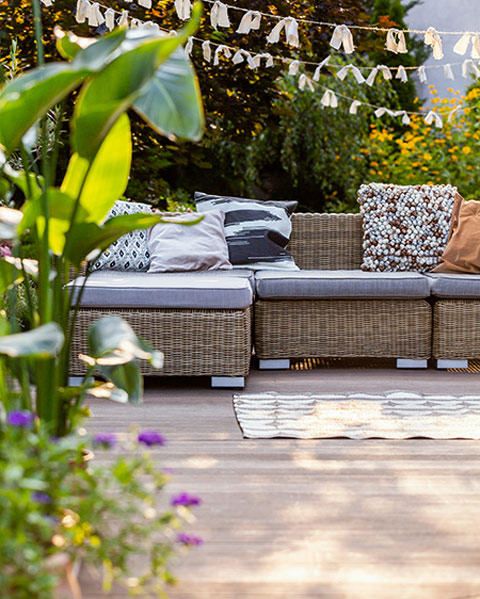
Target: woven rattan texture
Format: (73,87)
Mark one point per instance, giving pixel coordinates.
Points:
(456,329)
(194,342)
(362,328)
(327,241)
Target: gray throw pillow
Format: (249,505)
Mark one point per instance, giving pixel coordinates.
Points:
(177,248)
(129,252)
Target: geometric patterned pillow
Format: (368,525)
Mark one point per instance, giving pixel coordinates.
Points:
(405,227)
(129,252)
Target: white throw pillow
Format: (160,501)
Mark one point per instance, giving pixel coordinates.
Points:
(177,248)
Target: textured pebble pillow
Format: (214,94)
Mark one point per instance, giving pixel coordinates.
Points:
(129,252)
(179,248)
(257,232)
(405,227)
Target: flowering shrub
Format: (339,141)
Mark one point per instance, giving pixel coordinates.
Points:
(424,154)
(55,508)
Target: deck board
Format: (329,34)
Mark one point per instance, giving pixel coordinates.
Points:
(311,519)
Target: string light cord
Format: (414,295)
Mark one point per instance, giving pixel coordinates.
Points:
(333,25)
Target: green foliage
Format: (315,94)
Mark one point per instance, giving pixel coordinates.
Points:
(238,108)
(56,508)
(423,154)
(313,150)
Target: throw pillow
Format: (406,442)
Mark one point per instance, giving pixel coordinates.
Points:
(129,252)
(462,253)
(405,227)
(257,232)
(176,248)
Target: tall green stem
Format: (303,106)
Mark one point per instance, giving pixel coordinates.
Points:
(47,375)
(37,22)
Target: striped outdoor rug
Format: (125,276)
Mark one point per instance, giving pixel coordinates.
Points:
(393,415)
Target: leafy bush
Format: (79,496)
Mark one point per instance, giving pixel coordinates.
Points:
(311,155)
(424,154)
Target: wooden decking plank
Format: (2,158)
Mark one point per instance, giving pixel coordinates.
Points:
(314,519)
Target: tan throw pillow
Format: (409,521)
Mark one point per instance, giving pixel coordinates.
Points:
(180,248)
(462,253)
(405,227)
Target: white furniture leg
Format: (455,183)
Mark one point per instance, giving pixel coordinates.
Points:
(76,381)
(411,363)
(274,364)
(444,364)
(237,382)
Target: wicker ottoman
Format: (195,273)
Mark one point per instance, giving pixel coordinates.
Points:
(201,321)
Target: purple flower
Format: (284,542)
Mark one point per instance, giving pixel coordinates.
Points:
(189,540)
(21,418)
(107,440)
(186,500)
(5,251)
(150,438)
(40,497)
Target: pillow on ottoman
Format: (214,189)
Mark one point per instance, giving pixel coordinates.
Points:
(257,231)
(462,253)
(129,252)
(177,248)
(405,227)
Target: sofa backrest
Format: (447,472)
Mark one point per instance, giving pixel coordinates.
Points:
(326,241)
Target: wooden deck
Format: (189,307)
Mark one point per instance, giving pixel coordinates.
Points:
(291,519)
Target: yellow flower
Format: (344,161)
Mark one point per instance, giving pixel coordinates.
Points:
(427,156)
(466,149)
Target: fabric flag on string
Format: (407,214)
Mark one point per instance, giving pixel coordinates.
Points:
(342,36)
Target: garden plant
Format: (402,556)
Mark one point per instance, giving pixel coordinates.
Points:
(126,69)
(54,506)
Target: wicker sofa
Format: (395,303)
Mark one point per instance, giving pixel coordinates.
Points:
(347,324)
(203,321)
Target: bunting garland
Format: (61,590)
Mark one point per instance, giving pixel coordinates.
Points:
(90,12)
(342,37)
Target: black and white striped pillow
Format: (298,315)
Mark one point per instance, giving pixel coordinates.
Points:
(257,231)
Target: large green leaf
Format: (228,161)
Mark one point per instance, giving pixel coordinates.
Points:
(9,276)
(171,101)
(116,349)
(43,342)
(91,53)
(84,238)
(107,177)
(105,97)
(28,97)
(28,183)
(61,207)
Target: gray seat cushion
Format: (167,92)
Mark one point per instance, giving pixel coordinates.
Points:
(462,286)
(341,284)
(210,290)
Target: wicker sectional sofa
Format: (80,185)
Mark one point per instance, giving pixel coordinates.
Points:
(203,322)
